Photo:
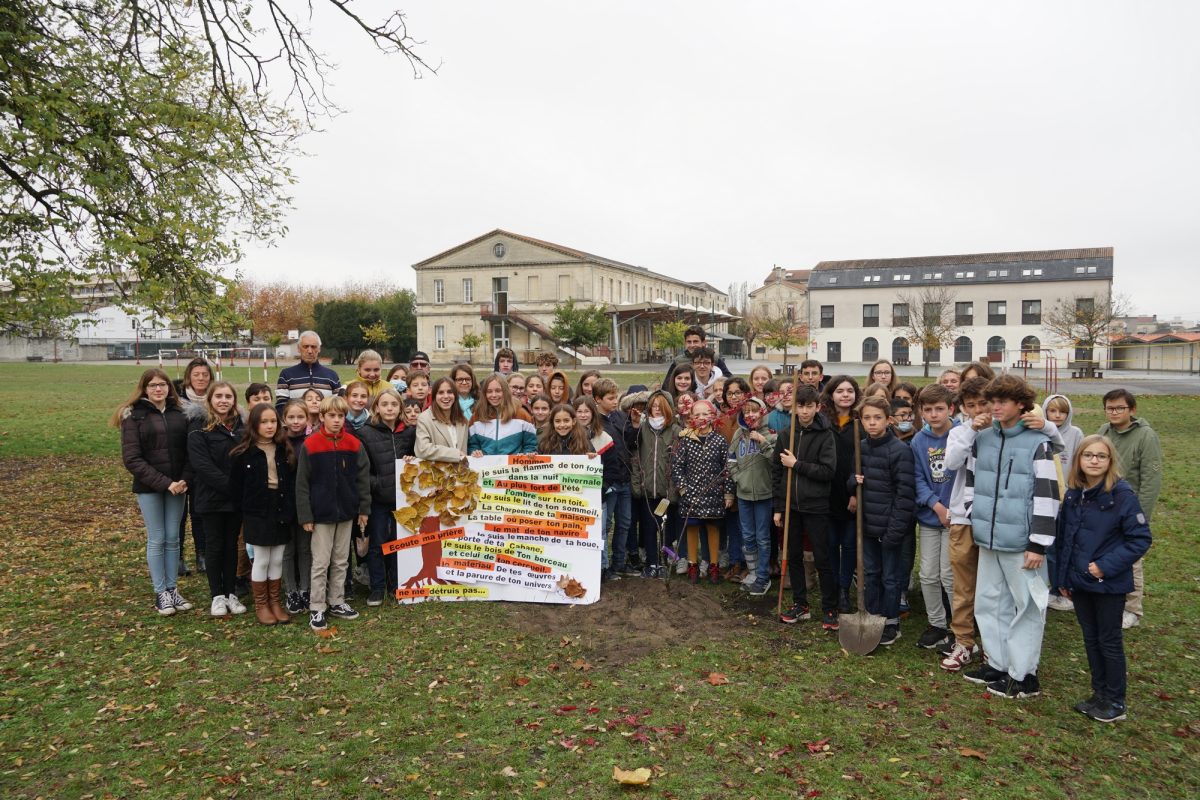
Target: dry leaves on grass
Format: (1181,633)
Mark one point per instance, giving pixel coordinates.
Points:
(717,679)
(967,752)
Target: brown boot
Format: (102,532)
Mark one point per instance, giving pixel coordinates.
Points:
(262,608)
(281,615)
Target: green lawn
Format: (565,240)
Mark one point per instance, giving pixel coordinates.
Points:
(102,698)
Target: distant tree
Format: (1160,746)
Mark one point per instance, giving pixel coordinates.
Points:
(579,326)
(1083,321)
(471,342)
(669,335)
(930,323)
(398,312)
(339,323)
(375,334)
(781,333)
(273,340)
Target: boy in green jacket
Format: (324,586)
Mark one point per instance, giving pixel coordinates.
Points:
(1140,454)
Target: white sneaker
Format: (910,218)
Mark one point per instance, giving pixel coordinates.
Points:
(1129,620)
(749,578)
(235,605)
(1060,603)
(219,607)
(958,658)
(681,567)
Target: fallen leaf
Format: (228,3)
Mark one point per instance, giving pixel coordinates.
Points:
(508,772)
(326,649)
(717,679)
(581,665)
(327,633)
(635,777)
(521,681)
(968,752)
(817,747)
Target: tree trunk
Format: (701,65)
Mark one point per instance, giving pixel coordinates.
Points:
(926,366)
(431,556)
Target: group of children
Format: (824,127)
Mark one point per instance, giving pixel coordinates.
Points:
(969,468)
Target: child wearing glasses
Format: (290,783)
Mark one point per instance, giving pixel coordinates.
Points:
(1140,456)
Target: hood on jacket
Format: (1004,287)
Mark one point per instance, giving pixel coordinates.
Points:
(1135,422)
(1070,409)
(635,396)
(763,411)
(650,397)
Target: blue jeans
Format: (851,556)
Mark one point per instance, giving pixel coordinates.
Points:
(162,512)
(381,527)
(883,573)
(843,549)
(755,517)
(618,507)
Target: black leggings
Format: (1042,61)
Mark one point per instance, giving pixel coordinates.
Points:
(1099,617)
(221,554)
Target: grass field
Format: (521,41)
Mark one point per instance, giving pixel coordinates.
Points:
(102,698)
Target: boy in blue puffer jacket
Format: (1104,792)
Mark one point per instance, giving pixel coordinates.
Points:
(1013,511)
(889,500)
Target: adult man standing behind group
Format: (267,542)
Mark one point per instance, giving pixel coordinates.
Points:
(310,373)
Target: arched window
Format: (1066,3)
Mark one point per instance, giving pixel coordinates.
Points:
(900,351)
(995,348)
(962,350)
(870,349)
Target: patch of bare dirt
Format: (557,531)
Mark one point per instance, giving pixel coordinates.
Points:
(635,617)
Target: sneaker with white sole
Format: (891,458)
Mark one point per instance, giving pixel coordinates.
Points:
(178,600)
(681,566)
(163,604)
(375,598)
(1060,603)
(1129,620)
(295,603)
(985,674)
(750,578)
(316,620)
(219,607)
(342,611)
(932,637)
(235,605)
(760,587)
(958,658)
(1012,689)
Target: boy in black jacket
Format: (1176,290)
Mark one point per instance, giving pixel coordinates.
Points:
(812,465)
(333,485)
(889,501)
(618,482)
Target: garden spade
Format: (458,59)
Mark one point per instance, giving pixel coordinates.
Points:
(860,632)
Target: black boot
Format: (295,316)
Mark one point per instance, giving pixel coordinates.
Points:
(844,601)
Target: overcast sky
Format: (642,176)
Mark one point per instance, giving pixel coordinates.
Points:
(714,140)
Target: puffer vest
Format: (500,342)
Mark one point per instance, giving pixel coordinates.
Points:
(1002,512)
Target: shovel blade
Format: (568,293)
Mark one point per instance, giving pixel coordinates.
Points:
(860,632)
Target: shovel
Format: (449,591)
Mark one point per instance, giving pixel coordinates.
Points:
(860,632)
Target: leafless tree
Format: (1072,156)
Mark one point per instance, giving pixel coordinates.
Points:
(930,321)
(1083,321)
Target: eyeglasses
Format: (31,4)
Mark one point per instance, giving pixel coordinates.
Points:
(1093,456)
(882,372)
(156,385)
(1115,409)
(734,392)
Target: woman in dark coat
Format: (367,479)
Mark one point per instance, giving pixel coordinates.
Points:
(154,450)
(1101,532)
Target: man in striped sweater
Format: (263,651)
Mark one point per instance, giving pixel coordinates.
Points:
(1013,495)
(310,373)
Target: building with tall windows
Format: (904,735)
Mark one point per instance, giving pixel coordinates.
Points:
(505,286)
(858,310)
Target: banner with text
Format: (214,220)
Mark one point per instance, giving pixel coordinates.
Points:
(523,528)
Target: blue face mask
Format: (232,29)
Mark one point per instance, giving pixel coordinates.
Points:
(400,385)
(904,426)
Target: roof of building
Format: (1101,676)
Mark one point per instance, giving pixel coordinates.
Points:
(788,275)
(1091,264)
(567,251)
(1168,337)
(969,258)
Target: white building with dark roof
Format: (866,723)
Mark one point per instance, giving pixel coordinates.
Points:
(856,308)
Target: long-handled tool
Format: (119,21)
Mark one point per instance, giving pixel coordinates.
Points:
(787,502)
(860,632)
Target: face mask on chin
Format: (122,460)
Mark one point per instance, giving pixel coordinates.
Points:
(657,423)
(904,427)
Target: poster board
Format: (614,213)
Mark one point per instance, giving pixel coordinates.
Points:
(523,528)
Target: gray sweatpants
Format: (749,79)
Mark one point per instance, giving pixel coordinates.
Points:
(1010,609)
(936,575)
(330,549)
